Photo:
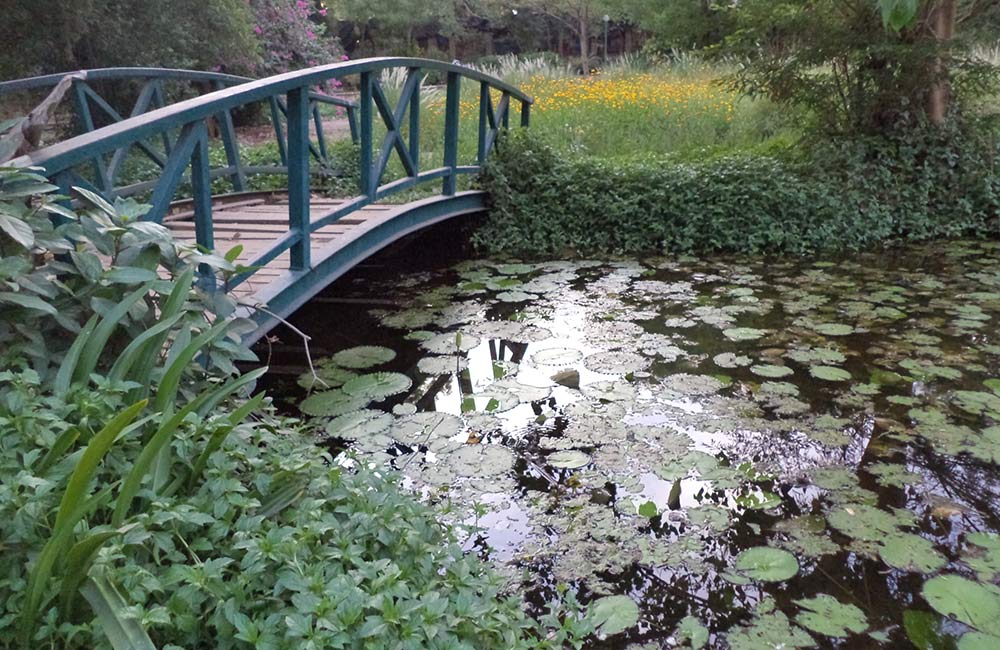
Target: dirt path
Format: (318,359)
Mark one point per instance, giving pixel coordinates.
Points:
(333,128)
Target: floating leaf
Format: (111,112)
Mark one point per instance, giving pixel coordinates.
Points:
(910,553)
(767,564)
(743,333)
(829,373)
(442,365)
(833,329)
(616,362)
(826,615)
(613,614)
(363,356)
(480,460)
(359,424)
(450,343)
(331,403)
(568,459)
(556,357)
(972,603)
(378,385)
(771,371)
(691,630)
(648,510)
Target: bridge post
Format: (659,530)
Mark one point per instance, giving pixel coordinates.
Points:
(485,108)
(415,123)
(201,190)
(451,115)
(366,101)
(298,177)
(229,143)
(525,114)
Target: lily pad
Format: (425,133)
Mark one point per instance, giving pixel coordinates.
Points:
(767,564)
(743,333)
(829,373)
(568,459)
(363,356)
(833,329)
(613,614)
(480,460)
(616,362)
(442,365)
(972,603)
(359,424)
(450,343)
(910,552)
(332,403)
(826,615)
(771,371)
(556,357)
(378,385)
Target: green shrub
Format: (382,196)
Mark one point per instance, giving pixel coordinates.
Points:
(143,506)
(846,196)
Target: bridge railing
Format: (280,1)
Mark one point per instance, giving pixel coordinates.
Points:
(184,126)
(92,110)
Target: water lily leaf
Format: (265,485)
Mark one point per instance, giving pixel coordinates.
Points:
(833,329)
(731,360)
(648,510)
(743,333)
(972,603)
(363,356)
(568,459)
(767,564)
(826,615)
(693,632)
(771,371)
(515,296)
(556,357)
(327,376)
(610,391)
(616,362)
(450,343)
(378,385)
(829,373)
(613,614)
(332,403)
(428,428)
(978,641)
(442,365)
(864,522)
(481,460)
(771,631)
(910,553)
(359,424)
(976,402)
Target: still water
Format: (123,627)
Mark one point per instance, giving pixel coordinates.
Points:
(724,452)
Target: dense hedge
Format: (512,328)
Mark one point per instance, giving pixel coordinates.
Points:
(842,195)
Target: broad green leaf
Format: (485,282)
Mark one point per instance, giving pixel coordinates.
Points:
(613,614)
(826,615)
(972,603)
(122,631)
(767,564)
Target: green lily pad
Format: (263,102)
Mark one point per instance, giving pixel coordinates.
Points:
(568,459)
(826,615)
(556,357)
(910,553)
(359,424)
(693,632)
(613,614)
(767,564)
(616,362)
(442,364)
(332,403)
(743,333)
(833,329)
(976,402)
(972,603)
(378,385)
(480,460)
(363,356)
(829,373)
(771,371)
(450,343)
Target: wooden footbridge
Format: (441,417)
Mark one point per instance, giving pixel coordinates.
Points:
(296,241)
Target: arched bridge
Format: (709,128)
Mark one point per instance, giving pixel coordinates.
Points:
(292,242)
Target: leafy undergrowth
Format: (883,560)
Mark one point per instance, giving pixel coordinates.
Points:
(148,502)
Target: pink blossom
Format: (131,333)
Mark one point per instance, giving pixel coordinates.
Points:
(322,12)
(344,57)
(258,30)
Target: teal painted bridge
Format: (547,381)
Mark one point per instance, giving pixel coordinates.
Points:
(296,241)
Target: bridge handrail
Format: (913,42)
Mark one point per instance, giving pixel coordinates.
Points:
(190,149)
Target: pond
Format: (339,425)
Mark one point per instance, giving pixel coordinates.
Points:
(726,452)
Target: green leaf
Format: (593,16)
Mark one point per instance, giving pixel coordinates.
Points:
(648,510)
(27,300)
(94,346)
(363,356)
(129,275)
(18,230)
(613,614)
(123,631)
(691,630)
(767,564)
(972,603)
(826,615)
(67,368)
(377,385)
(898,14)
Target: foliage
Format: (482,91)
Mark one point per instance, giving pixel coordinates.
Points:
(681,24)
(848,195)
(133,480)
(856,66)
(292,35)
(54,37)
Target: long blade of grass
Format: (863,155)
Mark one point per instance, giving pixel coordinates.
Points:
(222,392)
(56,451)
(219,436)
(173,306)
(123,631)
(64,376)
(137,349)
(77,565)
(92,350)
(166,391)
(79,480)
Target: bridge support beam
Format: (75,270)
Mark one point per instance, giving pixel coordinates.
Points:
(298,177)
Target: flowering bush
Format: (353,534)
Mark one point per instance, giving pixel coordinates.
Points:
(292,35)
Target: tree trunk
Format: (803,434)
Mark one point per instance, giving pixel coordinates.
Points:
(452,48)
(942,26)
(584,40)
